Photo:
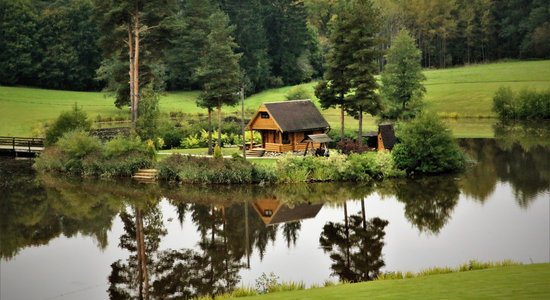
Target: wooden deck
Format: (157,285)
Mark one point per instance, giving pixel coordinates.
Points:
(21,146)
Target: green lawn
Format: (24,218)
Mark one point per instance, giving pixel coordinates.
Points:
(465,91)
(516,282)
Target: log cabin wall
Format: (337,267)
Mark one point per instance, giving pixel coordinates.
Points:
(292,115)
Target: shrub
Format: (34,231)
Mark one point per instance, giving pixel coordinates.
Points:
(77,152)
(78,144)
(191,169)
(337,167)
(427,146)
(147,122)
(121,146)
(358,168)
(191,142)
(298,92)
(217,152)
(171,134)
(65,122)
(524,105)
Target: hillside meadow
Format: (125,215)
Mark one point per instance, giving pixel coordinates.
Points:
(463,95)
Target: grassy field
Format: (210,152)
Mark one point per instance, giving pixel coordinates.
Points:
(515,282)
(464,92)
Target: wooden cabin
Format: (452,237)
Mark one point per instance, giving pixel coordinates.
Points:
(382,140)
(272,211)
(285,126)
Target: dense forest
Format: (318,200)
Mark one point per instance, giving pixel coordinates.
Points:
(70,44)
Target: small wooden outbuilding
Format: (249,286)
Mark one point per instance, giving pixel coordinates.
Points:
(382,140)
(285,126)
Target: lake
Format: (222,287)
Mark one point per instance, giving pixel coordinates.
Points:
(69,238)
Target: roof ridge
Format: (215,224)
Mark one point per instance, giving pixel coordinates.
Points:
(286,101)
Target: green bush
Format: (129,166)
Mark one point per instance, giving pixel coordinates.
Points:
(121,145)
(337,167)
(65,122)
(217,152)
(427,146)
(298,92)
(191,169)
(78,153)
(78,143)
(525,105)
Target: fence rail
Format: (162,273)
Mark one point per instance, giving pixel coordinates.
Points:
(21,144)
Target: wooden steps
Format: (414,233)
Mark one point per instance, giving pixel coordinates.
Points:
(146,175)
(255,152)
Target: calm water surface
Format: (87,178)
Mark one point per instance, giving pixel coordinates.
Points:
(64,238)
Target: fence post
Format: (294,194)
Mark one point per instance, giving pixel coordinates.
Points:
(13,144)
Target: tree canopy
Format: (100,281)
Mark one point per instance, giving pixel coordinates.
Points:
(80,44)
(402,78)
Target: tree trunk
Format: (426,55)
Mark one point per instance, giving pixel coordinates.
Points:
(219,124)
(136,62)
(131,74)
(342,121)
(347,235)
(364,214)
(142,257)
(210,148)
(360,131)
(138,253)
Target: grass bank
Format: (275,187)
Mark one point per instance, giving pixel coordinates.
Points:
(463,92)
(514,282)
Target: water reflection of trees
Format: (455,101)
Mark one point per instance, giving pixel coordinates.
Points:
(34,210)
(355,246)
(526,167)
(429,201)
(149,273)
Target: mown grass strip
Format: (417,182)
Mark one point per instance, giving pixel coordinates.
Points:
(514,282)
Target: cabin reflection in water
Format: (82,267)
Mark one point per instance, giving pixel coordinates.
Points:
(273,211)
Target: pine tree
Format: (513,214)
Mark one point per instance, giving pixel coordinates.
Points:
(351,64)
(332,90)
(188,43)
(363,42)
(219,67)
(402,78)
(135,31)
(251,36)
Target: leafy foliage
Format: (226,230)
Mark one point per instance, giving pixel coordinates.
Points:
(525,105)
(189,169)
(355,247)
(78,153)
(65,122)
(147,123)
(298,93)
(336,167)
(402,78)
(427,146)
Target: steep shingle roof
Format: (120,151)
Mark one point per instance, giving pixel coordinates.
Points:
(296,115)
(298,212)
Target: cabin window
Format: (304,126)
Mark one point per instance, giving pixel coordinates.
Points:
(286,140)
(268,212)
(264,115)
